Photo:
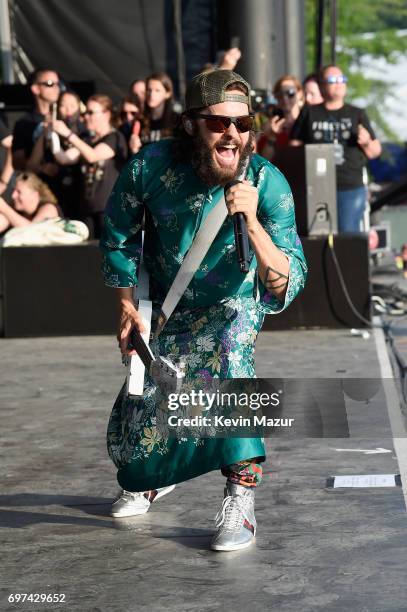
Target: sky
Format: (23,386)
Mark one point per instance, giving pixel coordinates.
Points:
(397,103)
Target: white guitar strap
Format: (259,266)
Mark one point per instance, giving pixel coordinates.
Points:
(193,259)
(199,248)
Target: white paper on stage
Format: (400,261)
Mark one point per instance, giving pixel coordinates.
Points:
(365,480)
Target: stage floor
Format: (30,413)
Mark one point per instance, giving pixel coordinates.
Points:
(317,548)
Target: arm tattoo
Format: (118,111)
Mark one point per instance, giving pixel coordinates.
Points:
(272,277)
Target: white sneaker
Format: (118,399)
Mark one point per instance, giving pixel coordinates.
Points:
(235,522)
(132,504)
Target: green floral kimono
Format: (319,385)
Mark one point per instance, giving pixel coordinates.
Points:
(214,327)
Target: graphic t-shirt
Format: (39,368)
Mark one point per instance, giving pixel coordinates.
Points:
(158,129)
(318,125)
(98,178)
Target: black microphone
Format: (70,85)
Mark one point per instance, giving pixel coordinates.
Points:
(240,227)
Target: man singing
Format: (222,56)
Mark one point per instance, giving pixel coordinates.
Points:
(174,184)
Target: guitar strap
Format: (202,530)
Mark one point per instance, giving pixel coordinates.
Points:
(199,248)
(193,259)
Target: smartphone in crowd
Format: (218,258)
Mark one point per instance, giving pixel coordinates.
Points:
(274,111)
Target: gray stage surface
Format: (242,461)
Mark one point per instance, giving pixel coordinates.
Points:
(316,549)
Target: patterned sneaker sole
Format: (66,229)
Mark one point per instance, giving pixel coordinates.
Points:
(225,548)
(129,512)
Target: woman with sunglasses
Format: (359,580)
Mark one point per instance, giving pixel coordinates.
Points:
(65,181)
(130,122)
(290,98)
(32,202)
(101,154)
(160,118)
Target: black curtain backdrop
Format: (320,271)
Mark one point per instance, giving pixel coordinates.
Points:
(112,42)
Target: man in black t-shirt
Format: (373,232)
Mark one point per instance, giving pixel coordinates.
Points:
(348,127)
(45,88)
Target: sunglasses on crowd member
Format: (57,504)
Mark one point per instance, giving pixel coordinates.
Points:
(49,83)
(340,78)
(221,123)
(93,112)
(125,114)
(288,93)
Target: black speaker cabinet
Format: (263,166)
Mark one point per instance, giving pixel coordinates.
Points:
(55,291)
(59,291)
(323,304)
(311,173)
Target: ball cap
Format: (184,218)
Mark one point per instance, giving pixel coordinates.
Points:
(209,88)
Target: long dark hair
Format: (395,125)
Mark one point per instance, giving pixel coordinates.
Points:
(167,117)
(183,147)
(74,123)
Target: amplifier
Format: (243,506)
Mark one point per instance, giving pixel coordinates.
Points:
(311,173)
(323,304)
(55,291)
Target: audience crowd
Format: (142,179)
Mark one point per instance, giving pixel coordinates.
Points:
(63,156)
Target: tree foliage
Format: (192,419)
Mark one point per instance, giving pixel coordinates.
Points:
(366,29)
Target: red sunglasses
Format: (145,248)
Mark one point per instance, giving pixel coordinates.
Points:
(220,123)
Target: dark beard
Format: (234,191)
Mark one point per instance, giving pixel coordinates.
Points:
(204,165)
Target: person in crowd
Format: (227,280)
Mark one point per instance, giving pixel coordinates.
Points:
(174,184)
(348,128)
(312,92)
(66,181)
(45,88)
(290,98)
(230,59)
(101,154)
(6,170)
(159,116)
(227,60)
(70,108)
(32,200)
(130,122)
(138,88)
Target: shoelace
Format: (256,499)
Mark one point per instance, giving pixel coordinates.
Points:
(233,507)
(130,495)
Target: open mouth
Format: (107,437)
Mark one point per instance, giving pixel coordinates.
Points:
(226,154)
